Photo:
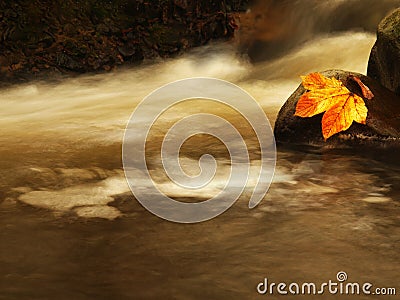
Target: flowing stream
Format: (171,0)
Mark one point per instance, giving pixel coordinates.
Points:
(71,229)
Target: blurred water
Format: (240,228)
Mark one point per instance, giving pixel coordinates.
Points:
(270,28)
(72,230)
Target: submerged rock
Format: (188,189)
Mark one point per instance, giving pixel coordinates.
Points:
(381,130)
(384,61)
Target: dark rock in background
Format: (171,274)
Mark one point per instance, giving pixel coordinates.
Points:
(384,62)
(381,130)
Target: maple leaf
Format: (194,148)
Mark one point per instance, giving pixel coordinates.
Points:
(329,95)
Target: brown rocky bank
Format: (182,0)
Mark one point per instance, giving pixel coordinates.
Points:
(40,37)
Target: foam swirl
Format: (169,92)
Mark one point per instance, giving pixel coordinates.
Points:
(162,99)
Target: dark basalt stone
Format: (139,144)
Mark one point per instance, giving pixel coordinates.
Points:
(382,128)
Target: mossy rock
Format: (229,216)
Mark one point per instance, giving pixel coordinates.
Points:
(384,61)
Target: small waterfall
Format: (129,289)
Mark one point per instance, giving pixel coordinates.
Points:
(271,27)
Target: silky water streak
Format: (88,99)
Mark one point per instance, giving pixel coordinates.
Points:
(162,99)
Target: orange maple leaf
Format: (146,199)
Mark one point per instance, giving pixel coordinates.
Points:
(329,95)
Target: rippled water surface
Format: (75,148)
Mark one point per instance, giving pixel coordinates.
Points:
(71,229)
